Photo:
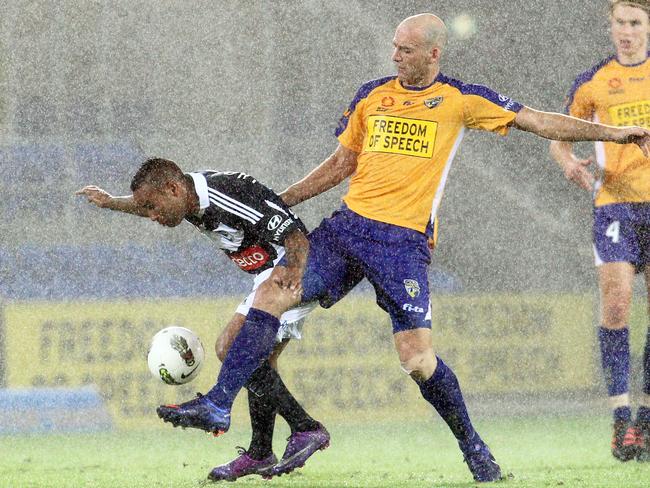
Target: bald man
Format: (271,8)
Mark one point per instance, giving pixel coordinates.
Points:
(396,140)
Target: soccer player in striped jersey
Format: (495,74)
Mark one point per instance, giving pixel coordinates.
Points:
(255,229)
(396,142)
(617,91)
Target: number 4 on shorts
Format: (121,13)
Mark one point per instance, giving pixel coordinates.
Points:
(613,231)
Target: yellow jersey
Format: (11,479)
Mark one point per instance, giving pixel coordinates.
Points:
(406,139)
(615,94)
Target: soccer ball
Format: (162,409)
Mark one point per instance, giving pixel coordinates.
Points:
(175,356)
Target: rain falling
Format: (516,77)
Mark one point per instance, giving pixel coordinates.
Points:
(262,92)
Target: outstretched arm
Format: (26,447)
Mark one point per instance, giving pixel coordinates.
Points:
(337,167)
(575,169)
(103,199)
(560,127)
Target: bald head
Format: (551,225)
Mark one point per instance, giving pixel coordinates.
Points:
(428,28)
(418,45)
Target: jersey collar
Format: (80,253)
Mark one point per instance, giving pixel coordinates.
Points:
(634,64)
(201,188)
(418,88)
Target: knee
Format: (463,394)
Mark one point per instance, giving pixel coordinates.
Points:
(419,365)
(264,296)
(615,314)
(615,306)
(272,299)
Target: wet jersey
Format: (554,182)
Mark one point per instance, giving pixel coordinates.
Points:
(244,218)
(615,94)
(406,139)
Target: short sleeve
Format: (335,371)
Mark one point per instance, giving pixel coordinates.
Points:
(350,131)
(579,102)
(277,221)
(485,109)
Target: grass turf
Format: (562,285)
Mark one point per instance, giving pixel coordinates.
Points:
(536,452)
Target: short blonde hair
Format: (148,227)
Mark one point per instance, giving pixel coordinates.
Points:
(643,4)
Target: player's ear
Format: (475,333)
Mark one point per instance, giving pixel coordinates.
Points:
(435,53)
(173,188)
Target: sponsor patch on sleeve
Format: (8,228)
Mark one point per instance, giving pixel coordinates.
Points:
(280,228)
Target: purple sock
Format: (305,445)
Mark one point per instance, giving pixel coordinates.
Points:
(250,348)
(623,414)
(615,360)
(643,415)
(443,392)
(646,364)
(615,357)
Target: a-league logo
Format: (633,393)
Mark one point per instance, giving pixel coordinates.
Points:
(412,288)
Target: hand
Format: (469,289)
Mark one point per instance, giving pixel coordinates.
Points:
(635,135)
(576,170)
(288,278)
(96,195)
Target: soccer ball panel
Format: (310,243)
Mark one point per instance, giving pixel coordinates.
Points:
(176,355)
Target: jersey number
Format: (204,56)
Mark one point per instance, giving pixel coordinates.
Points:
(613,231)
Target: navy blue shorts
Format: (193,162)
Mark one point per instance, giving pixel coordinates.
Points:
(622,233)
(346,247)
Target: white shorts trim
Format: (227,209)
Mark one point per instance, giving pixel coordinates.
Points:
(597,260)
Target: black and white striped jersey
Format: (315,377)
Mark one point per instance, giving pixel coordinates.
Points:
(244,218)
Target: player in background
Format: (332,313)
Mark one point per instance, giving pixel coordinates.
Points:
(396,142)
(255,229)
(617,91)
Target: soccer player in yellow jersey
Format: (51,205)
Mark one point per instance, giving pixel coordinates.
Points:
(617,91)
(396,141)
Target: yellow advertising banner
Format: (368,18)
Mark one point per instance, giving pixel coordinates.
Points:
(106,343)
(344,368)
(518,343)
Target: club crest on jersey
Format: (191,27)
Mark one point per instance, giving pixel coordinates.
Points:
(433,102)
(412,288)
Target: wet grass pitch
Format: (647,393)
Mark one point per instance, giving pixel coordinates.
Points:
(533,452)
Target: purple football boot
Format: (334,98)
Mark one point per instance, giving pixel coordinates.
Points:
(199,413)
(301,446)
(242,465)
